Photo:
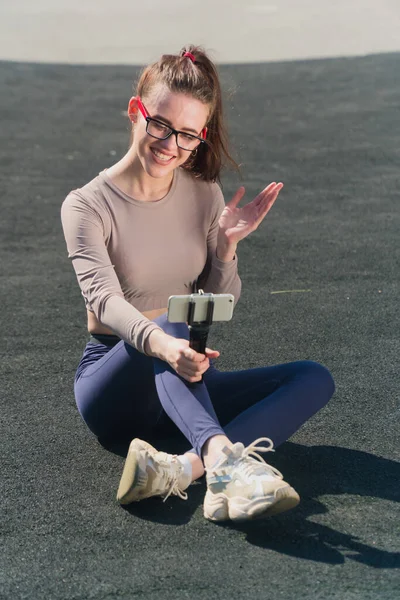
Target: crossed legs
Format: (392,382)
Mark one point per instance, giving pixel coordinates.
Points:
(241,405)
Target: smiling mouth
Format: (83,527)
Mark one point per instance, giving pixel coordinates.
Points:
(161,156)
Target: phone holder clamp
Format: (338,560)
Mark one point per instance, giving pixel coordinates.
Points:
(198,330)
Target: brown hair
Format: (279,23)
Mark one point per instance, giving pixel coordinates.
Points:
(199,79)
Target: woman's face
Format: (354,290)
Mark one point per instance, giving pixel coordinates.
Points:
(159,158)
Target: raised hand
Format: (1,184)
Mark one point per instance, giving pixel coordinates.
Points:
(236,223)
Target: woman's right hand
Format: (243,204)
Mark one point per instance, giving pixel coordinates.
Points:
(188,363)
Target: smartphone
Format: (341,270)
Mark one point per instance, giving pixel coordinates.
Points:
(178,307)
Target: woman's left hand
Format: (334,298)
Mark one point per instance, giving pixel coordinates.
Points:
(236,223)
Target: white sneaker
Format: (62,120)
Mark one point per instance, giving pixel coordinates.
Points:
(148,472)
(239,487)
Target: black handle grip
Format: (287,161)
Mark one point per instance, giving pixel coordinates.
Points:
(198,341)
(198,337)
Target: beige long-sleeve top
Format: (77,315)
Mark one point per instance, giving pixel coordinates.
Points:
(130,256)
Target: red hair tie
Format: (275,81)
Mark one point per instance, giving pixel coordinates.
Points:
(191,56)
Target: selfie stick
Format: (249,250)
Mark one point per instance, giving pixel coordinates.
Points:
(198,330)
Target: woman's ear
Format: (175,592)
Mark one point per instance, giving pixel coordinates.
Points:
(133,109)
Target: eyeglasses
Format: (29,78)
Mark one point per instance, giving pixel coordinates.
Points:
(161,131)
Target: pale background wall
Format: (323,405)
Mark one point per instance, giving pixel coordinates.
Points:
(132,32)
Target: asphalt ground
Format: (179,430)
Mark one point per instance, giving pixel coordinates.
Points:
(330,130)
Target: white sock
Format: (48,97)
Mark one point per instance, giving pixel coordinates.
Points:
(186,477)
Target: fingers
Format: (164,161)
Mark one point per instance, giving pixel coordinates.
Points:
(267,199)
(193,365)
(268,192)
(193,375)
(212,353)
(193,356)
(193,379)
(237,197)
(192,360)
(272,195)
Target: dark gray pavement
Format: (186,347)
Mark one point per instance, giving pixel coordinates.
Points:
(330,130)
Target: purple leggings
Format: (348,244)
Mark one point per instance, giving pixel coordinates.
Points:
(122,393)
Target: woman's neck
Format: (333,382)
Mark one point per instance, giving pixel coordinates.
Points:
(130,177)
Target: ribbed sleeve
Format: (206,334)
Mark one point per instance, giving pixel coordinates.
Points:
(85,233)
(219,277)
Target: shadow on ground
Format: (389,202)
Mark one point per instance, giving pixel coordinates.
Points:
(314,471)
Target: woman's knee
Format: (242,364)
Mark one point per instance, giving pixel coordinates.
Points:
(105,419)
(321,378)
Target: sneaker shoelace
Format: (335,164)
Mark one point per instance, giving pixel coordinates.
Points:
(252,462)
(171,476)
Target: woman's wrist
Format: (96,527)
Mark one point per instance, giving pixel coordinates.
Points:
(156,344)
(225,252)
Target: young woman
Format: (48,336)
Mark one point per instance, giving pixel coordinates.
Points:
(153,225)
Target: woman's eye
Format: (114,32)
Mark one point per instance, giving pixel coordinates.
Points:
(187,137)
(160,127)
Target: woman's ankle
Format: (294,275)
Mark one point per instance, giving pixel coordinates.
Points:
(212,449)
(196,464)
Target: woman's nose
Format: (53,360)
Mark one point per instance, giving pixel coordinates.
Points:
(170,143)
